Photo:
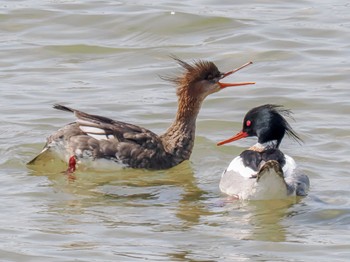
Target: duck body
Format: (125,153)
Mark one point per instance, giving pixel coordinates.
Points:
(264,175)
(102,143)
(263,171)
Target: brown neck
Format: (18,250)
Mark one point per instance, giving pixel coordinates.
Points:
(178,140)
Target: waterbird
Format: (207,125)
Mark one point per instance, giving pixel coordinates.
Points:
(97,142)
(263,171)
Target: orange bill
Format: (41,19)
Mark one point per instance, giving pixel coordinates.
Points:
(224,85)
(238,136)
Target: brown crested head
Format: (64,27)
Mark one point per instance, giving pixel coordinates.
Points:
(197,71)
(201,78)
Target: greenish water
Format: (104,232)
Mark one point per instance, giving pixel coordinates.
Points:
(105,57)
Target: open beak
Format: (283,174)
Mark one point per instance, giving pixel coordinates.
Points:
(223,85)
(238,136)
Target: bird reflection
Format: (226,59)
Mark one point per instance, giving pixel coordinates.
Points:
(176,188)
(265,218)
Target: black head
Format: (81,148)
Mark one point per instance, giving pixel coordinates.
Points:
(202,78)
(268,123)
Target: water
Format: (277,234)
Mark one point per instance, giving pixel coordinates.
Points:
(105,57)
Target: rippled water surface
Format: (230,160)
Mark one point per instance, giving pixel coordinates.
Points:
(105,57)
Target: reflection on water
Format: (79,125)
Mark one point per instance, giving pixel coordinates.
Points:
(263,220)
(134,186)
(267,219)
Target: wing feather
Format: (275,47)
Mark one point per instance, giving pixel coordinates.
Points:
(103,128)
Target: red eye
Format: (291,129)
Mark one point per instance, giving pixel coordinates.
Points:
(248,123)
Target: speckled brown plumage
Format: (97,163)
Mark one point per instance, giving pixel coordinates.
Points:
(95,137)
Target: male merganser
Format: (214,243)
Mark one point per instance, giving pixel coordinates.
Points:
(263,171)
(94,137)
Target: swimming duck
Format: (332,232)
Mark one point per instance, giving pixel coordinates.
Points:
(96,141)
(263,171)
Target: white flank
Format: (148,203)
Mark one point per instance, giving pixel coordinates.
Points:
(233,184)
(238,167)
(289,167)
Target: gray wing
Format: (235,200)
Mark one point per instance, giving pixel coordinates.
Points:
(299,182)
(103,128)
(302,185)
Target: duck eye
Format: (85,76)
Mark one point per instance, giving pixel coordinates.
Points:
(248,123)
(209,77)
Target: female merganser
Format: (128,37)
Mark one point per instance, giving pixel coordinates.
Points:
(263,171)
(94,137)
